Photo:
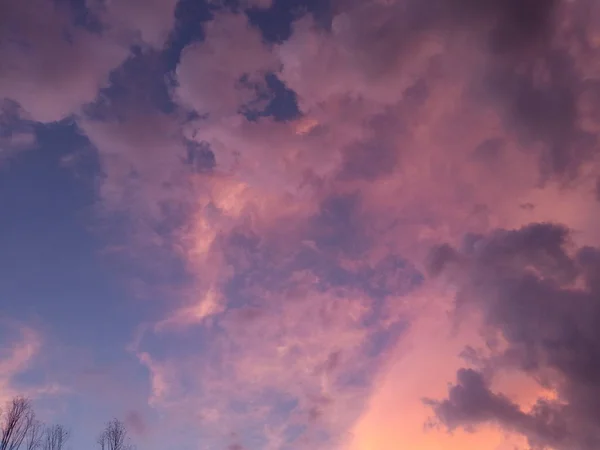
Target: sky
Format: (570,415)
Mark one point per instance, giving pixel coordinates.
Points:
(303,224)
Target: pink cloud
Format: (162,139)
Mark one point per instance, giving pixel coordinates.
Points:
(296,345)
(428,161)
(56,67)
(209,74)
(302,242)
(55,76)
(136,20)
(16,357)
(146,144)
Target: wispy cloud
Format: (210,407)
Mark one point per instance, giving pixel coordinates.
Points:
(23,347)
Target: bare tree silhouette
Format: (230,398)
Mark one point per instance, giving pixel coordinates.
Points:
(114,437)
(20,430)
(18,421)
(55,437)
(33,439)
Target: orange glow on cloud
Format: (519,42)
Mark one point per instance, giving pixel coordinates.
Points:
(449,167)
(421,367)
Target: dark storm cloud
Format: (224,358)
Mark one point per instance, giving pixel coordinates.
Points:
(545,112)
(532,70)
(533,74)
(515,23)
(543,296)
(510,26)
(471,402)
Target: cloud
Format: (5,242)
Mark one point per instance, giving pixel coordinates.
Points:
(261,4)
(421,365)
(195,314)
(471,401)
(141,157)
(17,134)
(149,22)
(398,148)
(265,4)
(53,67)
(58,65)
(299,313)
(226,71)
(298,362)
(538,293)
(17,356)
(521,58)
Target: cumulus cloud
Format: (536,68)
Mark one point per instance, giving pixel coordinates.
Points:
(471,401)
(225,71)
(539,294)
(52,67)
(262,4)
(520,56)
(302,240)
(141,157)
(148,22)
(398,148)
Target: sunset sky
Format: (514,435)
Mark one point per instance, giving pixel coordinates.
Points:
(303,224)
